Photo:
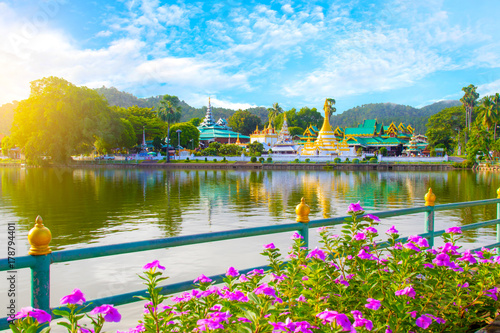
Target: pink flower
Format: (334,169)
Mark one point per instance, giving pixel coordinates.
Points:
(153,265)
(413,314)
(317,253)
(423,321)
(365,255)
(392,230)
(231,271)
(371,230)
(442,259)
(265,289)
(76,297)
(492,293)
(371,217)
(243,278)
(296,235)
(411,246)
(373,304)
(202,279)
(359,236)
(354,208)
(454,230)
(39,315)
(339,318)
(301,299)
(467,256)
(359,321)
(110,313)
(269,246)
(465,285)
(408,291)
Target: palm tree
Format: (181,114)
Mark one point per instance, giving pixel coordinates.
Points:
(469,101)
(170,112)
(487,112)
(496,107)
(274,112)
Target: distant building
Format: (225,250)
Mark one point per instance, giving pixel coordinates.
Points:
(326,142)
(211,131)
(267,136)
(285,143)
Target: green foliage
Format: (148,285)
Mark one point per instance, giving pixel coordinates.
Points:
(269,160)
(6,145)
(255,148)
(7,117)
(463,165)
(355,161)
(302,119)
(307,160)
(195,121)
(253,159)
(373,160)
(383,151)
(229,150)
(388,112)
(59,119)
(480,141)
(294,130)
(444,127)
(359,152)
(261,159)
(189,132)
(157,143)
(337,160)
(243,122)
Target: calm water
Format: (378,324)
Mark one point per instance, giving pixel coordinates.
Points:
(89,207)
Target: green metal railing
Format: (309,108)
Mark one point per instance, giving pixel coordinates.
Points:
(40,256)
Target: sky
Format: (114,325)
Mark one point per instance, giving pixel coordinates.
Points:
(249,53)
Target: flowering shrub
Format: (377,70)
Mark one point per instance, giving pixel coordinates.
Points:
(350,284)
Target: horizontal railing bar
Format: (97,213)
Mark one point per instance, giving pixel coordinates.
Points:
(20,262)
(479,224)
(115,249)
(487,246)
(466,204)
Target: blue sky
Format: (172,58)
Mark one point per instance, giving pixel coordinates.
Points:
(250,53)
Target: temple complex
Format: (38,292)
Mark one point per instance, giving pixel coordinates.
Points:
(211,131)
(268,136)
(285,143)
(326,142)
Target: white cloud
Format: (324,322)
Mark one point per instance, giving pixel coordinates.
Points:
(490,88)
(287,8)
(202,100)
(104,33)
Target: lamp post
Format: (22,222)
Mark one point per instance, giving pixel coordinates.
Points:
(179,141)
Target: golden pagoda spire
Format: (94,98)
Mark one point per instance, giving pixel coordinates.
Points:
(238,139)
(326,122)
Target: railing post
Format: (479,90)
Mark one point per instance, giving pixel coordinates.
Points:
(430,198)
(498,217)
(39,238)
(302,210)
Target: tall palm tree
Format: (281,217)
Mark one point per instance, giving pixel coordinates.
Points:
(469,101)
(486,110)
(274,112)
(170,112)
(496,107)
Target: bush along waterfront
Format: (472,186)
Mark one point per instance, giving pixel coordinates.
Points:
(350,284)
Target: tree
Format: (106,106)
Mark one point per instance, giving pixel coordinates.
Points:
(158,143)
(243,122)
(383,151)
(170,112)
(308,117)
(189,132)
(294,130)
(229,150)
(255,148)
(469,101)
(58,119)
(274,112)
(195,121)
(488,113)
(445,126)
(119,133)
(143,119)
(480,141)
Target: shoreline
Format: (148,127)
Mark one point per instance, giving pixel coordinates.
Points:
(259,166)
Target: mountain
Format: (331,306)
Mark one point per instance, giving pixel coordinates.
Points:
(390,112)
(124,99)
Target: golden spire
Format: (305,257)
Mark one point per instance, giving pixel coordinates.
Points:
(326,122)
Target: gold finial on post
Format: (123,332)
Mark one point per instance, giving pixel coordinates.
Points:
(498,193)
(39,238)
(302,210)
(430,198)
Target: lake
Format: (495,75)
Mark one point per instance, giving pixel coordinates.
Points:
(89,207)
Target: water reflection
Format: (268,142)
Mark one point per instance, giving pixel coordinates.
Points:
(83,206)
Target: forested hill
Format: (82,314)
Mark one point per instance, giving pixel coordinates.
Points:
(390,112)
(124,99)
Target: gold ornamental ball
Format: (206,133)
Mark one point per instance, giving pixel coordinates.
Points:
(39,238)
